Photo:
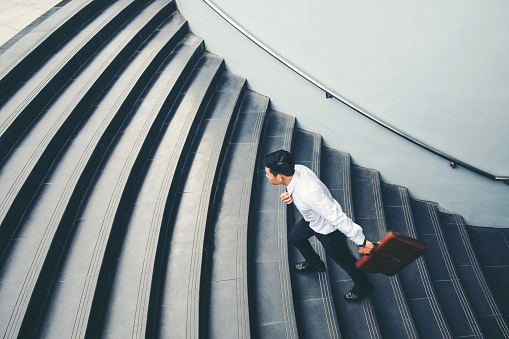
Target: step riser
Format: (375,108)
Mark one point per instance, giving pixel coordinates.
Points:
(267,212)
(369,214)
(448,287)
(26,114)
(355,319)
(62,233)
(312,295)
(470,273)
(55,141)
(224,290)
(27,60)
(491,246)
(420,294)
(116,233)
(190,252)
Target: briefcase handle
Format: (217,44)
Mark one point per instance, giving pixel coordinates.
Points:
(375,244)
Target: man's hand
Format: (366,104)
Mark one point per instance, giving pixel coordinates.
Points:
(287,198)
(366,249)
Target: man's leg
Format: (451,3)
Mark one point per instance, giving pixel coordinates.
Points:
(336,247)
(299,237)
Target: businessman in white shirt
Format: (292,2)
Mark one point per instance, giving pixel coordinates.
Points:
(322,218)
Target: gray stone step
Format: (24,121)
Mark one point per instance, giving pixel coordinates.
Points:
(270,293)
(133,201)
(449,289)
(355,319)
(491,246)
(226,306)
(29,51)
(393,314)
(314,307)
(53,210)
(84,269)
(472,277)
(27,164)
(32,26)
(177,307)
(415,280)
(39,88)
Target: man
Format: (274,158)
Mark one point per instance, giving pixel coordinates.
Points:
(322,217)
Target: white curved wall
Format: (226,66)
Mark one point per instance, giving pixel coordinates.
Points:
(437,71)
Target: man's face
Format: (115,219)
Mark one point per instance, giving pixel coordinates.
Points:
(274,180)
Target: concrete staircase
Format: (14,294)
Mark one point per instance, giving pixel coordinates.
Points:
(133,201)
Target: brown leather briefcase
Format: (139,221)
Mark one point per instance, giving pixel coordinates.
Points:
(391,254)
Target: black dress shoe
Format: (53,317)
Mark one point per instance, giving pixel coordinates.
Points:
(356,294)
(305,267)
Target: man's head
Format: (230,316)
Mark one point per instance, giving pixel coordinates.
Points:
(279,167)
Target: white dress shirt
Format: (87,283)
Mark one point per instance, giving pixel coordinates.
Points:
(317,206)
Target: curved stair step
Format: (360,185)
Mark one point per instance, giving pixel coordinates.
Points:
(389,301)
(88,256)
(12,40)
(415,280)
(177,306)
(492,248)
(94,223)
(270,295)
(449,289)
(472,277)
(314,308)
(226,309)
(21,58)
(26,165)
(355,319)
(34,93)
(55,206)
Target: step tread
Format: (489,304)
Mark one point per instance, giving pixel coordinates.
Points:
(179,294)
(311,292)
(448,287)
(226,283)
(355,319)
(53,201)
(31,158)
(415,280)
(56,68)
(36,231)
(472,277)
(272,311)
(42,40)
(80,270)
(492,248)
(388,293)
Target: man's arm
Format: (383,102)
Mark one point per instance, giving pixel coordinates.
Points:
(326,208)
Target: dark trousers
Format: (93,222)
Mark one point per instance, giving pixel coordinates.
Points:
(335,247)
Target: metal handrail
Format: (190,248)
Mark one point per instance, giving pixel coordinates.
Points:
(331,94)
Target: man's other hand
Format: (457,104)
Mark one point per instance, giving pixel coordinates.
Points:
(366,249)
(287,198)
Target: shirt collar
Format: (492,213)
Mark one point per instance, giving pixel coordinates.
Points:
(291,186)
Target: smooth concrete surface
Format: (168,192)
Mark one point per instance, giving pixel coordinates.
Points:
(15,15)
(455,129)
